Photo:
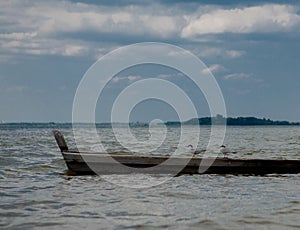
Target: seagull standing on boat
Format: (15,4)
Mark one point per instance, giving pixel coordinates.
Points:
(225,151)
(195,151)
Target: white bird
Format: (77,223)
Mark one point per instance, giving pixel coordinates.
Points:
(224,150)
(195,151)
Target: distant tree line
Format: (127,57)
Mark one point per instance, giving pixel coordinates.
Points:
(238,121)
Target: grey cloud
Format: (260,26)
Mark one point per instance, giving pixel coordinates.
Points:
(74,28)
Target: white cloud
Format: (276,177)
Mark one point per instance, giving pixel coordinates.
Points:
(66,28)
(165,76)
(263,18)
(116,79)
(129,78)
(55,17)
(133,78)
(48,27)
(205,52)
(43,46)
(72,50)
(18,36)
(214,69)
(179,53)
(173,75)
(235,76)
(235,53)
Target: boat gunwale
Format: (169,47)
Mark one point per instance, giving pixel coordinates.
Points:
(115,155)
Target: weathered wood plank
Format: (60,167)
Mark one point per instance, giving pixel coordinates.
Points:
(60,140)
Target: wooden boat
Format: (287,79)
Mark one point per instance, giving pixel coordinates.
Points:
(81,163)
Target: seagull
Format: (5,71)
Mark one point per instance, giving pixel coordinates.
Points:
(225,151)
(195,151)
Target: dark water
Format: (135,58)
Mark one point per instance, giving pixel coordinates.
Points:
(36,192)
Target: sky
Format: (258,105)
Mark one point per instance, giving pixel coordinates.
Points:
(251,48)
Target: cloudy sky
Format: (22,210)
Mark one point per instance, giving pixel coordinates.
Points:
(253,50)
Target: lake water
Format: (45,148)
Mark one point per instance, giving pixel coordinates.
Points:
(36,192)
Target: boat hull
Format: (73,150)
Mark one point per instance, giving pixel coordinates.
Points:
(103,164)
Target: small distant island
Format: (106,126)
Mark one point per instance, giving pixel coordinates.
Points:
(237,121)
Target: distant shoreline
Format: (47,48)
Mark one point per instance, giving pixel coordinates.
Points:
(218,120)
(233,121)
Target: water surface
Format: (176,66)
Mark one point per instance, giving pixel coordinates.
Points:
(36,192)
